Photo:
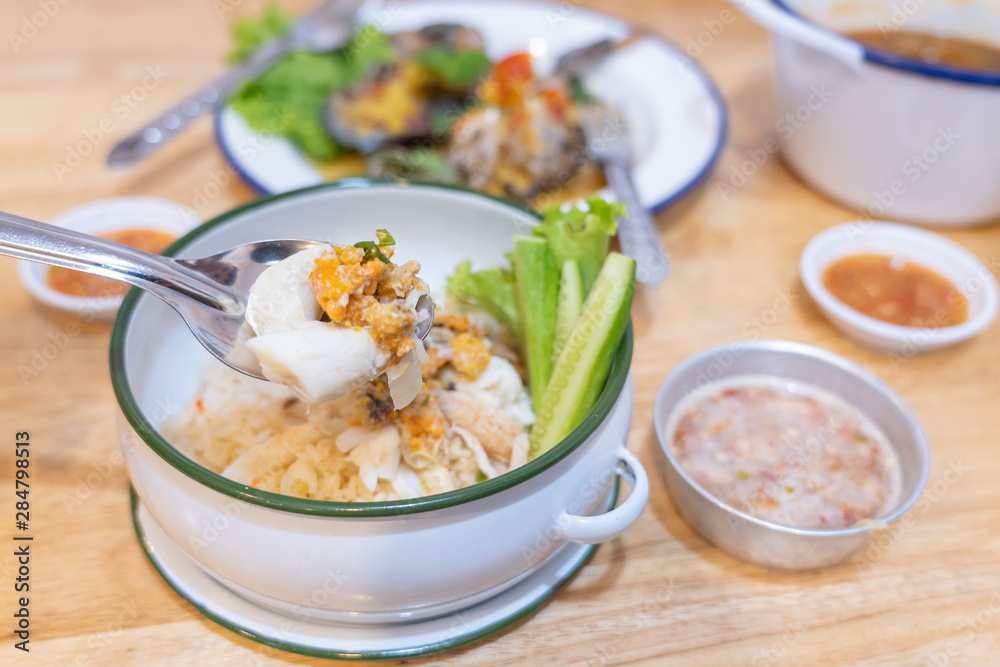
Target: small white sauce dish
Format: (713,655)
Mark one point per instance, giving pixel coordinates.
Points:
(100,217)
(919,246)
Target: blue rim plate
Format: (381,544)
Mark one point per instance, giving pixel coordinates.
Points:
(895,61)
(676,114)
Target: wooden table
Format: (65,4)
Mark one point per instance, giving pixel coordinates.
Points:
(658,594)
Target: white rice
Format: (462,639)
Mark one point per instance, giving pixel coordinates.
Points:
(258,433)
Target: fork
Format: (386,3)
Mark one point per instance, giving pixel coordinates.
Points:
(607,142)
(323,28)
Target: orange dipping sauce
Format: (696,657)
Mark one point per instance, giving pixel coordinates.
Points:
(896,291)
(77,283)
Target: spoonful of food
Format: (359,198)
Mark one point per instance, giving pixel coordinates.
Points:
(211,294)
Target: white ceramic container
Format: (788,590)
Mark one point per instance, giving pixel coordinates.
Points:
(366,562)
(919,246)
(886,136)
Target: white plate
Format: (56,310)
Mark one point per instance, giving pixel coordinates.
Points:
(371,642)
(675,114)
(920,246)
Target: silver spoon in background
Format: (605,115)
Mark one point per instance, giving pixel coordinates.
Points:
(327,26)
(608,143)
(210,294)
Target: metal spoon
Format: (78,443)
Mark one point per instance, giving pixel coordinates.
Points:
(608,143)
(327,26)
(210,294)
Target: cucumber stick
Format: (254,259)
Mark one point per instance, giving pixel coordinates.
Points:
(537,291)
(570,304)
(582,368)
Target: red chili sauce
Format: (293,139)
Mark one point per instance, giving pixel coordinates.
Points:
(896,291)
(77,283)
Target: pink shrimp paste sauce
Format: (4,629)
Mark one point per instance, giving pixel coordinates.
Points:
(785,452)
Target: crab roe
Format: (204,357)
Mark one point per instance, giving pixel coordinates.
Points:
(349,288)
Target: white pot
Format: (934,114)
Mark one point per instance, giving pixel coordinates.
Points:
(889,137)
(366,562)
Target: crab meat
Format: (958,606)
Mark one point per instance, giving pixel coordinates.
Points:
(494,430)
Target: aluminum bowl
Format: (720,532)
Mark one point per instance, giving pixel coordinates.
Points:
(760,541)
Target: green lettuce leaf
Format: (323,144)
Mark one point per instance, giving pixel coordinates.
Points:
(249,34)
(368,49)
(289,98)
(490,289)
(455,70)
(582,235)
(421,163)
(578,91)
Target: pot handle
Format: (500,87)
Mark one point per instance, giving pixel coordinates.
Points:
(767,14)
(603,527)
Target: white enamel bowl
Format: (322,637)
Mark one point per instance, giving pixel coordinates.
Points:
(887,136)
(919,246)
(100,217)
(372,562)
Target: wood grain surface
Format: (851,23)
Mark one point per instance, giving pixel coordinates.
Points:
(928,595)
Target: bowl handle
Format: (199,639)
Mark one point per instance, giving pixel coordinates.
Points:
(767,14)
(603,527)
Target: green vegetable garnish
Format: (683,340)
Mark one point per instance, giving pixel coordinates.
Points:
(368,48)
(455,70)
(578,92)
(537,293)
(491,290)
(582,235)
(441,122)
(567,303)
(289,98)
(421,163)
(433,165)
(582,368)
(576,235)
(249,34)
(373,250)
(569,306)
(384,238)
